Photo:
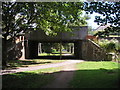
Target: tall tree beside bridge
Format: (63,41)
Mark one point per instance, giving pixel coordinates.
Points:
(52,17)
(110,12)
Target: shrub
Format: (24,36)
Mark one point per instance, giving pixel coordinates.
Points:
(112,45)
(118,47)
(53,50)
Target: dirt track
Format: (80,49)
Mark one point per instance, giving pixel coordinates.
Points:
(39,67)
(62,78)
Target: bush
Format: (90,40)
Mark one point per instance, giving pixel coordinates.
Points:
(118,47)
(53,50)
(112,45)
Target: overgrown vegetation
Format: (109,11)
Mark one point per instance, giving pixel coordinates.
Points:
(96,75)
(109,12)
(111,47)
(52,17)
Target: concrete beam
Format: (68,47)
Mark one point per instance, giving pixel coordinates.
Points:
(78,33)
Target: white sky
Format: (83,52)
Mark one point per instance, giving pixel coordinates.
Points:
(91,21)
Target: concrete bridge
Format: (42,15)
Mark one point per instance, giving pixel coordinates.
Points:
(77,36)
(78,33)
(83,48)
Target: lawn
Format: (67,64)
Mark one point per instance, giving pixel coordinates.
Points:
(102,74)
(49,54)
(29,79)
(31,62)
(55,54)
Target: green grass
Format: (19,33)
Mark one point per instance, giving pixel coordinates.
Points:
(53,54)
(29,79)
(49,54)
(114,35)
(32,62)
(96,75)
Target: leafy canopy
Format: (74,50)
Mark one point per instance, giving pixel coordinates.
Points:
(52,17)
(110,12)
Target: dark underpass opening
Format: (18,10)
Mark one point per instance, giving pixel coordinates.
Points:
(56,51)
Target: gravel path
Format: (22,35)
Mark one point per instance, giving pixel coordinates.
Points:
(68,62)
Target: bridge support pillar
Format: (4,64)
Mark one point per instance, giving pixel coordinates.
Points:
(31,49)
(78,49)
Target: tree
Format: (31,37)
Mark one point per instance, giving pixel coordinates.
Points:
(52,17)
(16,18)
(110,12)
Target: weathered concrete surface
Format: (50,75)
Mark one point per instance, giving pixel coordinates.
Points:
(39,36)
(78,33)
(92,51)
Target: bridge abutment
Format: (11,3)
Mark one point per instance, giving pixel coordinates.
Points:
(31,49)
(78,49)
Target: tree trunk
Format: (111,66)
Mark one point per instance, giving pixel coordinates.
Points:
(71,49)
(40,48)
(60,50)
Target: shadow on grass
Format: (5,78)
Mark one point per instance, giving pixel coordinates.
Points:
(100,78)
(26,80)
(32,62)
(21,63)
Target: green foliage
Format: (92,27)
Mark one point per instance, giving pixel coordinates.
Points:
(53,50)
(47,47)
(108,31)
(55,47)
(90,31)
(110,11)
(109,45)
(50,47)
(52,17)
(110,14)
(118,47)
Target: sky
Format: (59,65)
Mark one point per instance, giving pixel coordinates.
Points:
(91,21)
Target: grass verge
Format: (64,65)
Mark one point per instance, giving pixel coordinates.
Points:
(29,79)
(49,54)
(55,54)
(31,62)
(96,75)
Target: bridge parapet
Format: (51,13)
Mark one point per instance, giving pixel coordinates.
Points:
(79,33)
